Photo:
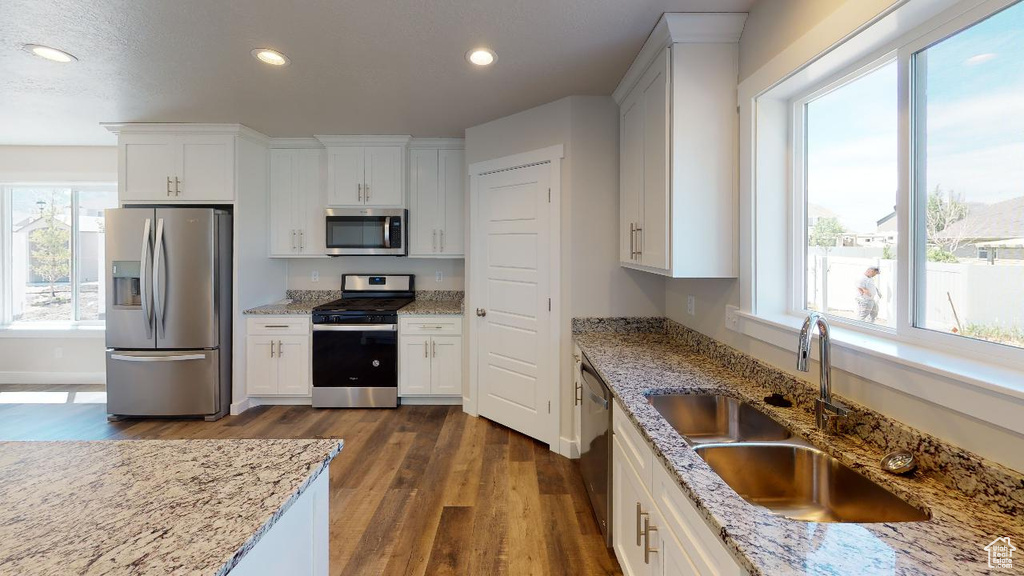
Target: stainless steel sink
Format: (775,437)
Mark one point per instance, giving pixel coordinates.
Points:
(804,483)
(707,418)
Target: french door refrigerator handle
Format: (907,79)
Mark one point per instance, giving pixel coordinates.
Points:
(159,279)
(146,259)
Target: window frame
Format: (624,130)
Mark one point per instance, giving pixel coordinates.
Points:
(7,323)
(911,260)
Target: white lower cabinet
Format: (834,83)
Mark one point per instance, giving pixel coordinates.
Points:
(430,357)
(657,531)
(278,356)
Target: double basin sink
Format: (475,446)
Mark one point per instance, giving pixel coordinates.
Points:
(767,466)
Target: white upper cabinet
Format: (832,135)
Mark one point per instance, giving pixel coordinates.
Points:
(177,163)
(437,176)
(678,159)
(296,203)
(366,170)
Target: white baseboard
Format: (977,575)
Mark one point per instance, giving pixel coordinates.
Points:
(239,407)
(280,401)
(568,448)
(431,400)
(53,378)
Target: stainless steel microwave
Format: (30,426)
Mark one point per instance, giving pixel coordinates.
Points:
(367,232)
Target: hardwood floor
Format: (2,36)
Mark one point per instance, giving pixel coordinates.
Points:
(417,490)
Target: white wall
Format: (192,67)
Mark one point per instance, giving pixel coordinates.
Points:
(771,29)
(593,284)
(300,271)
(54,359)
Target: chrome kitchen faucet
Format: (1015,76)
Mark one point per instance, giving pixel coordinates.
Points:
(826,410)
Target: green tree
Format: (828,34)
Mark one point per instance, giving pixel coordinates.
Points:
(887,252)
(940,254)
(942,211)
(826,233)
(51,247)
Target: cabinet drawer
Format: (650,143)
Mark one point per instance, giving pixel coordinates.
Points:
(634,447)
(431,325)
(700,543)
(298,325)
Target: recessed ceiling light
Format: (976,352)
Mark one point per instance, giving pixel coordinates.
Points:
(48,53)
(481,56)
(272,57)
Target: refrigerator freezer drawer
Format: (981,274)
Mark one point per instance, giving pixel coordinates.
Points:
(163,383)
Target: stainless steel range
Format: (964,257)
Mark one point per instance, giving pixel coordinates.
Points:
(355,342)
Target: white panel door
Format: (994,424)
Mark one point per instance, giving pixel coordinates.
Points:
(452,182)
(446,365)
(654,233)
(293,361)
(383,176)
(260,366)
(514,378)
(309,206)
(207,168)
(283,233)
(425,205)
(345,176)
(148,167)
(631,179)
(414,365)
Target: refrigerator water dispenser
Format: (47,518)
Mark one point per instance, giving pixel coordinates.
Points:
(126,275)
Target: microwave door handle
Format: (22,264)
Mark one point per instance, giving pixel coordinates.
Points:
(387,231)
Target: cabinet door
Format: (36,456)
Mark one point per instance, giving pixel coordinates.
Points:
(382,180)
(309,207)
(628,494)
(674,558)
(631,175)
(414,365)
(147,162)
(207,168)
(345,176)
(452,183)
(446,365)
(283,233)
(260,367)
(425,203)
(654,235)
(293,364)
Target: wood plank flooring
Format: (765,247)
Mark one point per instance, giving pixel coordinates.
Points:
(417,490)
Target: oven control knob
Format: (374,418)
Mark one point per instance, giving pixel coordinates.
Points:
(376,363)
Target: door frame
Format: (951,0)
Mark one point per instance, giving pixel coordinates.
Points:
(552,155)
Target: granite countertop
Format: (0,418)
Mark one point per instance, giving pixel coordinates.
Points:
(432,308)
(952,541)
(302,302)
(285,307)
(147,506)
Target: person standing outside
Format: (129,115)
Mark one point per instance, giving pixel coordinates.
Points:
(867,296)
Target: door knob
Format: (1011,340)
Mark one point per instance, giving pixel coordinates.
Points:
(481,312)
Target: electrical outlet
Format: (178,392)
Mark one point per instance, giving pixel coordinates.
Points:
(315,276)
(732,319)
(691,305)
(438,276)
(58,352)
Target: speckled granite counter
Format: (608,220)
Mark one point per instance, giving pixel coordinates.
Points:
(428,303)
(147,506)
(284,308)
(432,308)
(637,364)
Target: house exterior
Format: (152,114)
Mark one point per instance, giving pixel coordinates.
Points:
(989,232)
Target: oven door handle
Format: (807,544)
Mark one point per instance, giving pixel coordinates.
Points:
(355,327)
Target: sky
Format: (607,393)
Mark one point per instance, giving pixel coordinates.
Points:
(974,117)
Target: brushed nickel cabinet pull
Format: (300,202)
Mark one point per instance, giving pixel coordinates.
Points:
(433,349)
(639,532)
(280,349)
(168,185)
(426,349)
(177,184)
(647,540)
(271,348)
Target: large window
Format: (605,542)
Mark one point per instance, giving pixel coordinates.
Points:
(960,118)
(53,253)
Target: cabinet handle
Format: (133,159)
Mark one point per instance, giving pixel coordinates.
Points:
(435,240)
(272,355)
(366,191)
(433,349)
(632,235)
(275,326)
(639,242)
(442,240)
(280,349)
(168,185)
(426,349)
(647,540)
(302,240)
(639,532)
(293,240)
(359,192)
(177,183)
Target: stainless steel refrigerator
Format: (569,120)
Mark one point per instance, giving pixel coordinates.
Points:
(168,312)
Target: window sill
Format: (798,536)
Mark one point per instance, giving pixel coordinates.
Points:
(989,392)
(26,330)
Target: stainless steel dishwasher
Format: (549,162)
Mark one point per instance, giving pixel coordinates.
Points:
(596,445)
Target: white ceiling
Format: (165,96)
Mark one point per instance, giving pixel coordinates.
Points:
(358,66)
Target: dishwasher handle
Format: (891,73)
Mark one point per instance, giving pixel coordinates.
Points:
(596,397)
